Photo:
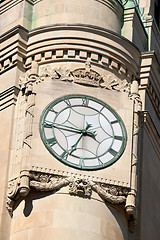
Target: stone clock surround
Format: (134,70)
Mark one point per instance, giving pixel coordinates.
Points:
(56,63)
(30,176)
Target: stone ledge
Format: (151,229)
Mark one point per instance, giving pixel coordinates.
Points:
(8,97)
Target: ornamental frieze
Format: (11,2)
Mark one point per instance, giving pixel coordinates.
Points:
(84,76)
(77,186)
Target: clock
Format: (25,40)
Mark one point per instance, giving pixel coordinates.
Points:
(83,132)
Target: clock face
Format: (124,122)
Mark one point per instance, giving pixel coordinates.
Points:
(83,132)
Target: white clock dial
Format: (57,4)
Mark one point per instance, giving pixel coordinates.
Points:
(83,132)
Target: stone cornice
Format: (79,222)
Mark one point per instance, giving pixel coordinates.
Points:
(124,62)
(8,97)
(7,4)
(149,79)
(13,48)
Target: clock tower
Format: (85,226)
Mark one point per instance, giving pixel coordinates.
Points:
(79,120)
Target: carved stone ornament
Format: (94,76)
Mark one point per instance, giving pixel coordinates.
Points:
(59,73)
(11,195)
(112,83)
(80,187)
(85,76)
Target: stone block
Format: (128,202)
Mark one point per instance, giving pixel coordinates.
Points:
(59,54)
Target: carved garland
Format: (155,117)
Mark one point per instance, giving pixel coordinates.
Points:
(77,186)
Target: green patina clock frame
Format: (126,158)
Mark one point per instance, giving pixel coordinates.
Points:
(63,157)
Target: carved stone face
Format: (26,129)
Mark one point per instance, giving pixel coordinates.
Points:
(80,187)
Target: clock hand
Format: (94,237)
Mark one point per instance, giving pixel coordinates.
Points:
(74,146)
(85,131)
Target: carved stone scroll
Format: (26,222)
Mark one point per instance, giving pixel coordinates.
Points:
(114,199)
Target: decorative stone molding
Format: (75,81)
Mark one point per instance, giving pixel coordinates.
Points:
(9,97)
(13,49)
(81,56)
(78,186)
(27,83)
(131,198)
(85,76)
(70,174)
(124,63)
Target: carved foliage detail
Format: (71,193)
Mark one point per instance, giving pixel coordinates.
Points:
(45,182)
(82,187)
(110,193)
(85,76)
(112,83)
(78,186)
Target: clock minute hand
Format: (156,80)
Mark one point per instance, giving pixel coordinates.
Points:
(84,131)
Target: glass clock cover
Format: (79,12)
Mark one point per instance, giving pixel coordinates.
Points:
(83,132)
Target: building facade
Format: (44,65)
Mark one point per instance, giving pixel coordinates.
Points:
(80,145)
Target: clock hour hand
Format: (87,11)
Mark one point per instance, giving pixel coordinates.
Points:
(84,132)
(74,146)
